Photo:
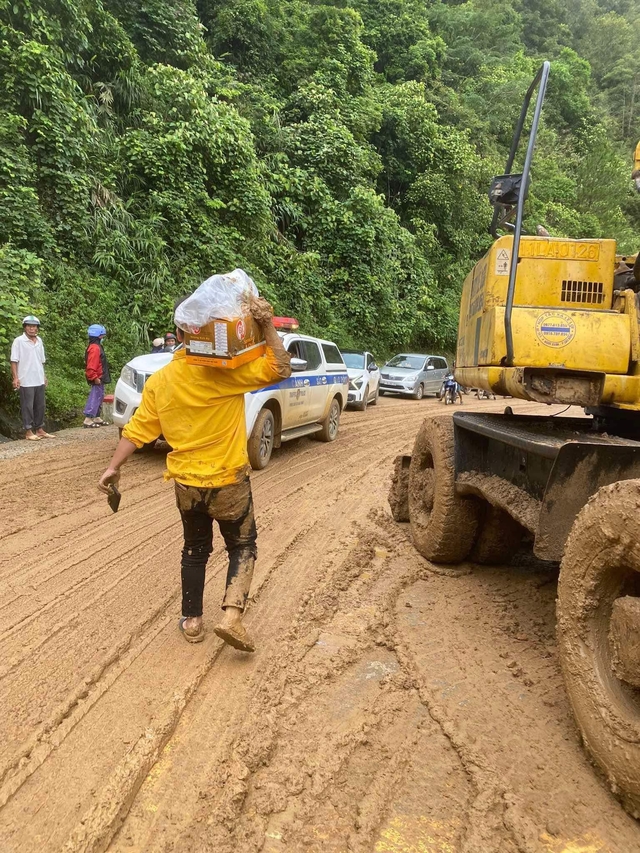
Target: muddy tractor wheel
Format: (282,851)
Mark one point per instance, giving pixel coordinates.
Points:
(599,633)
(499,537)
(443,523)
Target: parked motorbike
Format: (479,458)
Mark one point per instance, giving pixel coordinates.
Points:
(450,391)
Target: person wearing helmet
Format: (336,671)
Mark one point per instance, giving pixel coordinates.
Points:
(157,345)
(170,342)
(27,373)
(96,369)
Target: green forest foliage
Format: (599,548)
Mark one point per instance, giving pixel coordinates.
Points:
(340,152)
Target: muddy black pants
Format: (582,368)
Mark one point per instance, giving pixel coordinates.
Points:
(232,507)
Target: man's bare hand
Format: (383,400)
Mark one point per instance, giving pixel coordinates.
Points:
(16,383)
(110,476)
(260,309)
(97,381)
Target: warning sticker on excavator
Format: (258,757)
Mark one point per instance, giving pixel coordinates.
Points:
(503,262)
(555,329)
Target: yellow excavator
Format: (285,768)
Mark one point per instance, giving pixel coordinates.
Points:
(554,321)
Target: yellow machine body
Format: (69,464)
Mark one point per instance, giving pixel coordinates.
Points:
(574,341)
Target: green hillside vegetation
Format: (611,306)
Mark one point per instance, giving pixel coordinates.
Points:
(339,152)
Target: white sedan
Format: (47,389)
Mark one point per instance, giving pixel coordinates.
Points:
(364,378)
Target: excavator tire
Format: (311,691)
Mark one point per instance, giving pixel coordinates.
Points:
(600,567)
(498,539)
(443,523)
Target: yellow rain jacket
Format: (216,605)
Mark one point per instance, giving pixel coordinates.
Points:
(200,412)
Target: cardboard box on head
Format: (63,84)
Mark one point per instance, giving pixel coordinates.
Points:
(218,329)
(225,343)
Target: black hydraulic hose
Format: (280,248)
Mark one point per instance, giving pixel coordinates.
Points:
(541,78)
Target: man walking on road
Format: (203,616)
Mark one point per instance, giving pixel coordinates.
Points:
(27,373)
(200,412)
(96,369)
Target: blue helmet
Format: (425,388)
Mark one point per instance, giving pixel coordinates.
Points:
(96,331)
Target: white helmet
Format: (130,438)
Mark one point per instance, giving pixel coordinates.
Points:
(30,320)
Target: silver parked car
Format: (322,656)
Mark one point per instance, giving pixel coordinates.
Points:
(414,374)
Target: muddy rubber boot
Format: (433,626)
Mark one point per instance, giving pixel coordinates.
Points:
(233,632)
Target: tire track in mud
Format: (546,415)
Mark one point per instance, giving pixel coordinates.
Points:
(297,665)
(324,740)
(262,793)
(491,820)
(104,668)
(92,830)
(74,711)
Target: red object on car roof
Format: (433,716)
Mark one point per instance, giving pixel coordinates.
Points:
(286,324)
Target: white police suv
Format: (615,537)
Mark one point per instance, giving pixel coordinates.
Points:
(309,402)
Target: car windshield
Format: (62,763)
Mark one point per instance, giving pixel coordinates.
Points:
(355,360)
(409,362)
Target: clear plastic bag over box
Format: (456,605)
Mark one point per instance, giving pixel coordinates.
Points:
(221,297)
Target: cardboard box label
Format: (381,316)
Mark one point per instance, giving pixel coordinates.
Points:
(202,347)
(221,338)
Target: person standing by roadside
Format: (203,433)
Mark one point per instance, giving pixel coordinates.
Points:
(96,368)
(200,412)
(27,373)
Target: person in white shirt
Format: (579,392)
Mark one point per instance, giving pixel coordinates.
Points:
(27,372)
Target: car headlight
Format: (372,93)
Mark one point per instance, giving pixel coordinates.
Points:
(410,379)
(357,382)
(129,376)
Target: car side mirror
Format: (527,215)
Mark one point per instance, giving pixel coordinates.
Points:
(298,364)
(373,366)
(430,367)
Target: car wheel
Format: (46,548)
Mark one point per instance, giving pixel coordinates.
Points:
(362,405)
(418,394)
(331,423)
(375,397)
(260,445)
(382,393)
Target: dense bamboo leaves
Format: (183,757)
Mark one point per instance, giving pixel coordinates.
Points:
(340,151)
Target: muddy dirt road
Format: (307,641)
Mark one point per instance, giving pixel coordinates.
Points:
(392,706)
